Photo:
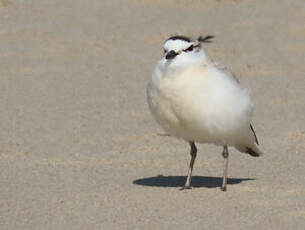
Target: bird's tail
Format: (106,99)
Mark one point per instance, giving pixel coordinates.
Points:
(252,150)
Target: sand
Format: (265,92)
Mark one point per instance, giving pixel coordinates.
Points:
(79,148)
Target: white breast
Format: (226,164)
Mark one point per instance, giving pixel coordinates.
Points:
(200,103)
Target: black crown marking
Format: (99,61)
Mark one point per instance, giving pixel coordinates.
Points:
(180,37)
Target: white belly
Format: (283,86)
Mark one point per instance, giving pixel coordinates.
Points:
(202,105)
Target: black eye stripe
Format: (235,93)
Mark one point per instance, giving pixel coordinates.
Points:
(190,48)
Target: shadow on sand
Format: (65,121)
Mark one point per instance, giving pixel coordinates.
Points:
(178,181)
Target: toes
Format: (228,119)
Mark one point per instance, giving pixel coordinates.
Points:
(185,187)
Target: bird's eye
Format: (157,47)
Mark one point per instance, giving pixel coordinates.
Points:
(165,51)
(189,49)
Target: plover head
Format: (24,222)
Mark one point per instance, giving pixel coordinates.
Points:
(183,50)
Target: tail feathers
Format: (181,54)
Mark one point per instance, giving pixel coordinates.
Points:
(251,150)
(254,153)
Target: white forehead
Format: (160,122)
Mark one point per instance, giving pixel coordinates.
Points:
(176,45)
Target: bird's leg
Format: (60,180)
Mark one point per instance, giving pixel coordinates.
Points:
(225,155)
(189,175)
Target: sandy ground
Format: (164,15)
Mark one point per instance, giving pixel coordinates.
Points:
(79,148)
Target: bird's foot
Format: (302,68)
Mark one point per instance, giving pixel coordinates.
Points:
(185,187)
(224,189)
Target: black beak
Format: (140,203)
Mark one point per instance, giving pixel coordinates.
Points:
(171,54)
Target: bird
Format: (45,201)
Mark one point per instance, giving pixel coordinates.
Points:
(195,99)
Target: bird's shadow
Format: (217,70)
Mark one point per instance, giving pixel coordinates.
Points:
(179,181)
